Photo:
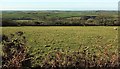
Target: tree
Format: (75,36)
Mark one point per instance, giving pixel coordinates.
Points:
(103,19)
(90,22)
(9,22)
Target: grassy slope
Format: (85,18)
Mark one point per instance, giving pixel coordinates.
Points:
(97,39)
(36,14)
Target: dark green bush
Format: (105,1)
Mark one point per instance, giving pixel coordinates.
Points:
(9,22)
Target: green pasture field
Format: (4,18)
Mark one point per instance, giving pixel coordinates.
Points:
(44,39)
(52,14)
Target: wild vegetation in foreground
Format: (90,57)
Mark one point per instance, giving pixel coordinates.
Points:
(74,47)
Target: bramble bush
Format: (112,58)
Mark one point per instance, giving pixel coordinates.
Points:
(78,60)
(14,50)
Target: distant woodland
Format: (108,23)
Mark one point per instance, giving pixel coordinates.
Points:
(60,18)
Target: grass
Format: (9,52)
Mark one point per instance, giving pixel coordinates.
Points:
(49,14)
(42,40)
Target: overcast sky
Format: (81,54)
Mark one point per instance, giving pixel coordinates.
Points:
(59,4)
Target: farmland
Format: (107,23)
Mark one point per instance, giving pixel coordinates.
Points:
(56,39)
(45,39)
(60,18)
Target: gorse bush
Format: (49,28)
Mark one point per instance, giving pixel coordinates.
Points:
(78,60)
(14,50)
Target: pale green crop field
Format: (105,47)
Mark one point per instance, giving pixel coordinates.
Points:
(42,40)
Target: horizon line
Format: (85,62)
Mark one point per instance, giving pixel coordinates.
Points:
(52,10)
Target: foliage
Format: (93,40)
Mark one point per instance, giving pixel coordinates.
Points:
(61,59)
(60,18)
(45,42)
(9,22)
(14,50)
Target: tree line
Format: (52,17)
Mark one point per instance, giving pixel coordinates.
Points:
(97,20)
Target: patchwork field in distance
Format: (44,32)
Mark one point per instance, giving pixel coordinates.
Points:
(42,40)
